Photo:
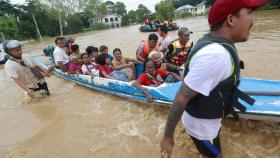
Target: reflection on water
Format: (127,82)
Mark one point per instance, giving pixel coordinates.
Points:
(78,122)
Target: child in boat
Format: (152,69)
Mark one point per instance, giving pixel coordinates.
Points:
(92,52)
(104,50)
(123,64)
(74,67)
(75,51)
(88,67)
(106,71)
(150,77)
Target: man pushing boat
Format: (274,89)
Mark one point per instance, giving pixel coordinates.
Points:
(209,91)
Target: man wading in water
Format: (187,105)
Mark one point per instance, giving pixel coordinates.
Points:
(209,91)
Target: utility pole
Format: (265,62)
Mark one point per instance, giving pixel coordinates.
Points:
(3,37)
(60,23)
(37,28)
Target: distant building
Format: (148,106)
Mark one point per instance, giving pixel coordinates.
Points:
(186,8)
(199,9)
(111,20)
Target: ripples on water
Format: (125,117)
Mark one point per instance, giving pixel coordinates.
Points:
(78,122)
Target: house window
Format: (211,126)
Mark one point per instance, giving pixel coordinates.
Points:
(111,19)
(116,19)
(106,19)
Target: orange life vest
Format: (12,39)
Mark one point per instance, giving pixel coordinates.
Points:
(146,50)
(180,53)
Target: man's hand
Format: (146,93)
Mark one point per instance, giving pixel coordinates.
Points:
(166,146)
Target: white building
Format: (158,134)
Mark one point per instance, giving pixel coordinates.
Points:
(199,9)
(186,8)
(111,20)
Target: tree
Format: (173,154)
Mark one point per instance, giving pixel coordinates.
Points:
(132,16)
(8,26)
(142,13)
(74,23)
(119,9)
(125,20)
(91,8)
(164,10)
(6,8)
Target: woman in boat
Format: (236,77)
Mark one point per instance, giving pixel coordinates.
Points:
(150,77)
(88,68)
(106,71)
(123,64)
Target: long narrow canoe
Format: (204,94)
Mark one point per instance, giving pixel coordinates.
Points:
(265,92)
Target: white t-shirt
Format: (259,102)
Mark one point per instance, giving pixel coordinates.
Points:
(209,66)
(60,55)
(164,42)
(22,73)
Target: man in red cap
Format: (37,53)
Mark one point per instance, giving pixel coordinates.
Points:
(209,91)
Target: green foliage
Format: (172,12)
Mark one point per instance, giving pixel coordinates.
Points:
(99,26)
(273,4)
(119,9)
(8,26)
(164,10)
(92,8)
(74,24)
(125,20)
(132,16)
(6,8)
(142,13)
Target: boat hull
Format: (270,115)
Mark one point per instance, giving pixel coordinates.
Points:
(267,105)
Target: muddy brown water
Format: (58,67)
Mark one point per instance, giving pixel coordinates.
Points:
(78,122)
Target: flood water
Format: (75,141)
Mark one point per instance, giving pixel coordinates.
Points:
(76,122)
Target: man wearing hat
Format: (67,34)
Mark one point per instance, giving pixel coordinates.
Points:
(209,91)
(179,49)
(23,70)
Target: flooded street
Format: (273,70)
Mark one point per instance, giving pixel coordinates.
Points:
(76,122)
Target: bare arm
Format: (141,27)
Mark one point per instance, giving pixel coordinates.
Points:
(130,59)
(178,106)
(118,67)
(180,78)
(138,57)
(106,75)
(61,66)
(21,85)
(137,85)
(172,67)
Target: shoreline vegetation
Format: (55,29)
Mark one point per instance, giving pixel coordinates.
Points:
(40,20)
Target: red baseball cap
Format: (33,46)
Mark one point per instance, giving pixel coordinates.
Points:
(222,8)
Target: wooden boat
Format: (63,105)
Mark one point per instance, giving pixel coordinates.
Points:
(265,92)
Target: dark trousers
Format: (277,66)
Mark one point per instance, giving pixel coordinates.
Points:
(43,86)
